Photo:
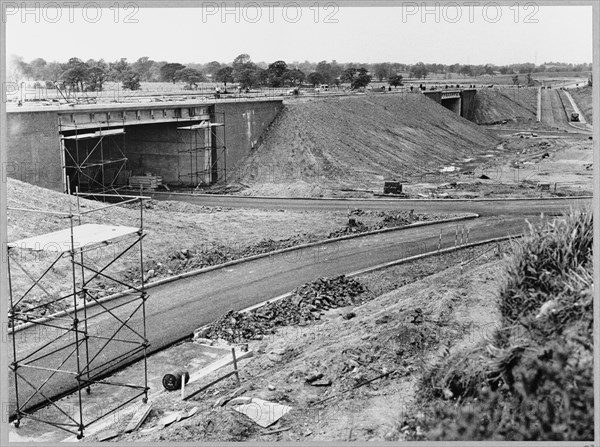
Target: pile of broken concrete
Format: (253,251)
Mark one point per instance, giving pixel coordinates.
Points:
(305,304)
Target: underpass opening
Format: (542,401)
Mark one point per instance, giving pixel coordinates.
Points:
(111,156)
(453,104)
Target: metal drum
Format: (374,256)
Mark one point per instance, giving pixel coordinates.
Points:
(172,381)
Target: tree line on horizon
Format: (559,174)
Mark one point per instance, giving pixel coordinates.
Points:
(91,75)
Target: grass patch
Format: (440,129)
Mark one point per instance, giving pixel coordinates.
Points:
(534,379)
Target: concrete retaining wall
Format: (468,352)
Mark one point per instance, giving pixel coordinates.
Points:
(467,102)
(34,153)
(245,123)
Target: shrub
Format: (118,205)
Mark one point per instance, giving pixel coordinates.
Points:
(535,380)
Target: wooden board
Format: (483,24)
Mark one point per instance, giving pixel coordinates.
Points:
(138,418)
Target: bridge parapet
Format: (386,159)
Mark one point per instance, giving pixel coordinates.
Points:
(450,94)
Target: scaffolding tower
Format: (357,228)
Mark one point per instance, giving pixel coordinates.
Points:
(93,158)
(77,347)
(204,142)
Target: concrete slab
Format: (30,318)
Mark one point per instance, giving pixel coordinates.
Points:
(191,356)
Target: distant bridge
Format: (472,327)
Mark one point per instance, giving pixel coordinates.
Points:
(457,100)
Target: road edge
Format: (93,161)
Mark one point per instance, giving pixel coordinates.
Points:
(191,273)
(378,267)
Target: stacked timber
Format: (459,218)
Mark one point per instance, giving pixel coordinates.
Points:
(145,181)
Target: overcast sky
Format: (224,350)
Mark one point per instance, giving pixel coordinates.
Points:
(443,34)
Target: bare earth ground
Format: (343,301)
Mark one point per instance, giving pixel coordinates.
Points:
(411,314)
(357,142)
(315,148)
(386,336)
(517,106)
(180,237)
(516,168)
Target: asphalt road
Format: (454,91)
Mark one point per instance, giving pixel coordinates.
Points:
(481,207)
(175,309)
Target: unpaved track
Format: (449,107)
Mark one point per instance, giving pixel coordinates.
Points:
(175,309)
(553,113)
(482,207)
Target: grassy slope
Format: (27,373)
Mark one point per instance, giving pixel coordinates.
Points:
(534,380)
(357,141)
(583,98)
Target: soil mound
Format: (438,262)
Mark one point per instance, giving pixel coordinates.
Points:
(356,142)
(495,106)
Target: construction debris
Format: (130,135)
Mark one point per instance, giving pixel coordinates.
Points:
(262,412)
(107,435)
(392,188)
(147,181)
(389,220)
(304,305)
(138,418)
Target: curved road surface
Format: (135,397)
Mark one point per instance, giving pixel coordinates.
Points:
(174,310)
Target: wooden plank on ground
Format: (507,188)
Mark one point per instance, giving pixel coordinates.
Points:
(138,418)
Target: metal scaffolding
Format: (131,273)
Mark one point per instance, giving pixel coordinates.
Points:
(87,337)
(92,158)
(205,144)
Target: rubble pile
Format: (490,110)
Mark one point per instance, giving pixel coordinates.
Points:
(352,227)
(268,245)
(304,305)
(388,220)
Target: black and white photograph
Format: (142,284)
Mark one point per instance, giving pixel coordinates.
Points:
(288,222)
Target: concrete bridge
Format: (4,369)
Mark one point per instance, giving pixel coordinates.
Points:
(97,145)
(457,100)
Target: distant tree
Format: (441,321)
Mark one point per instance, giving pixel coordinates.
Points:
(75,74)
(117,69)
(244,71)
(329,71)
(454,68)
(154,73)
(260,76)
(167,71)
(190,76)
(276,73)
(241,61)
(357,77)
(466,70)
(381,71)
(212,68)
(419,70)
(144,67)
(97,74)
(130,80)
(335,73)
(315,78)
(515,79)
(294,77)
(363,78)
(224,75)
(246,78)
(489,70)
(349,74)
(395,80)
(123,72)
